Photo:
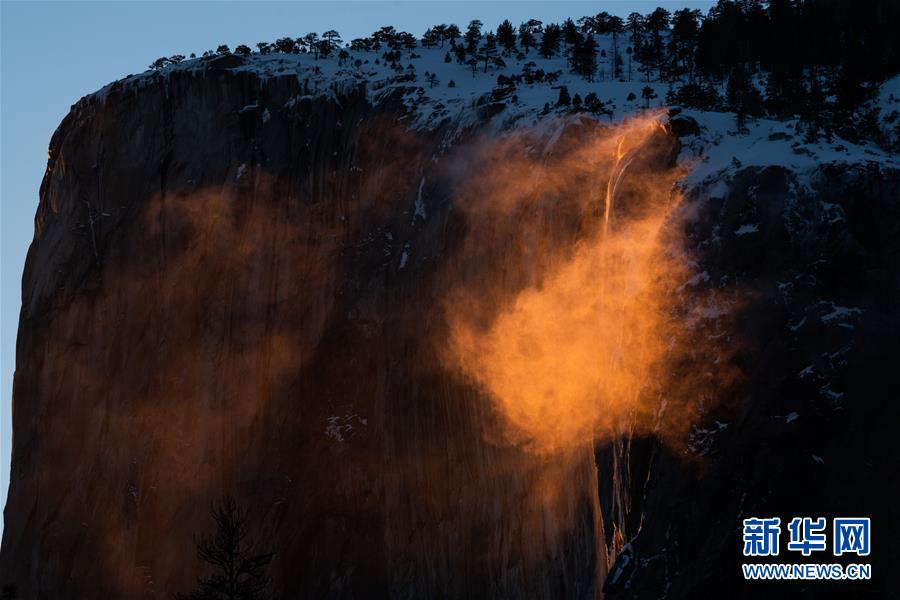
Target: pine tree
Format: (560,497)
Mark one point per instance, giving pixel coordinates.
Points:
(332,41)
(636,27)
(657,23)
(550,41)
(630,53)
(429,38)
(616,28)
(784,91)
(473,63)
(311,41)
(452,33)
(361,44)
(387,35)
(488,52)
(285,45)
(473,35)
(812,109)
(460,52)
(742,96)
(239,568)
(535,26)
(584,57)
(684,39)
(570,33)
(648,94)
(506,35)
(526,38)
(440,33)
(593,103)
(409,42)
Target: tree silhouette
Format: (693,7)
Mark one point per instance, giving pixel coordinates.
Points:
(584,57)
(819,59)
(742,96)
(487,53)
(685,28)
(440,33)
(473,34)
(286,45)
(616,28)
(526,37)
(452,33)
(239,567)
(570,33)
(311,41)
(331,41)
(648,94)
(550,41)
(474,64)
(657,23)
(506,35)
(409,42)
(429,38)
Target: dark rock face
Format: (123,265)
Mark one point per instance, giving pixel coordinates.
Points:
(232,290)
(682,126)
(811,430)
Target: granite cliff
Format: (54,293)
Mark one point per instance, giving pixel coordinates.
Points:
(241,283)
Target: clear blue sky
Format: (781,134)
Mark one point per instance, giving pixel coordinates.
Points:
(52,53)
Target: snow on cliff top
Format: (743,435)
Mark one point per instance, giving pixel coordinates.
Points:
(439,100)
(718,149)
(424,79)
(888,104)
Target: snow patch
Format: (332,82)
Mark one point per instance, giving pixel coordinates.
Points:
(343,428)
(404,256)
(839,312)
(420,203)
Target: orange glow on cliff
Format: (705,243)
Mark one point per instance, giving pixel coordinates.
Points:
(574,355)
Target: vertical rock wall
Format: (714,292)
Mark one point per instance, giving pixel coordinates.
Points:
(235,287)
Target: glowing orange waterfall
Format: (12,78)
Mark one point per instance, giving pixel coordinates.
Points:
(566,358)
